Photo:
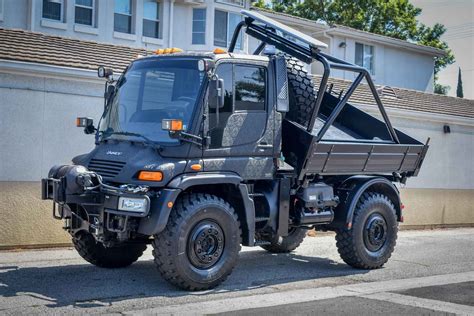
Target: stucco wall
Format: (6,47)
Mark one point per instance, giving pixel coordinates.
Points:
(37,128)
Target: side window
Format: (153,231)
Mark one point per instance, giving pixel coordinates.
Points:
(244,91)
(249,88)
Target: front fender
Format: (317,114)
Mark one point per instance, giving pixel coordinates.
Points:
(160,210)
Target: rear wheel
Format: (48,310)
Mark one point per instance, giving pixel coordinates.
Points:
(372,238)
(288,243)
(106,257)
(201,242)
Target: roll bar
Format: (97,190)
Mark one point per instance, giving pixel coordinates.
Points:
(308,49)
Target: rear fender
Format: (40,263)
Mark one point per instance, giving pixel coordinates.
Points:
(351,191)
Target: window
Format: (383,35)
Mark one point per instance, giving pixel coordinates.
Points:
(1,10)
(53,10)
(364,57)
(84,12)
(249,88)
(151,18)
(123,16)
(224,26)
(199,26)
(239,3)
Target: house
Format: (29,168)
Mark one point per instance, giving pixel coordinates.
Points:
(392,62)
(46,81)
(206,24)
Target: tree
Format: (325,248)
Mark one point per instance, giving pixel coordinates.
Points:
(459,91)
(394,18)
(441,89)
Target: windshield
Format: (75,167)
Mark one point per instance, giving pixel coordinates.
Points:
(152,90)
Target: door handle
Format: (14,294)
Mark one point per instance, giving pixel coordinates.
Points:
(264,146)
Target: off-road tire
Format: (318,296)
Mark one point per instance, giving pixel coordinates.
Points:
(174,249)
(106,257)
(288,243)
(353,244)
(302,95)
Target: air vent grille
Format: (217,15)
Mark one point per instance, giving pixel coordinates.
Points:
(106,168)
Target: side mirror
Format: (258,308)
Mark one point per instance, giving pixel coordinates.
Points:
(87,123)
(103,72)
(216,93)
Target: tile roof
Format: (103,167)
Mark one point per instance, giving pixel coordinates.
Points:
(20,45)
(406,99)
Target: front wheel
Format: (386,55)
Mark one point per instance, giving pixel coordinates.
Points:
(372,238)
(201,242)
(106,257)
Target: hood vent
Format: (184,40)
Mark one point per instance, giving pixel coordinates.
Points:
(106,168)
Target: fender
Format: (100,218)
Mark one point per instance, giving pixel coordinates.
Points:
(160,210)
(352,189)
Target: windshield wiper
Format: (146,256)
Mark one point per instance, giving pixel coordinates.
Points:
(146,139)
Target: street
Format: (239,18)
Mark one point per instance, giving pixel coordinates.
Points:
(430,272)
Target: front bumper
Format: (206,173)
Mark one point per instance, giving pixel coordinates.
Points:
(101,198)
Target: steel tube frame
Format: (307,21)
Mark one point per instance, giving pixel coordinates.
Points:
(268,36)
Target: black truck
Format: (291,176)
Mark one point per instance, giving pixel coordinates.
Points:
(200,153)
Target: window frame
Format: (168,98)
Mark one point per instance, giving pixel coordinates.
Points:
(129,15)
(239,45)
(61,12)
(364,45)
(158,19)
(93,8)
(205,26)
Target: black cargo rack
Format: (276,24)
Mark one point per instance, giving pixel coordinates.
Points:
(396,154)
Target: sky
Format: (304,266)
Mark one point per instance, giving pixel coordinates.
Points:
(458,17)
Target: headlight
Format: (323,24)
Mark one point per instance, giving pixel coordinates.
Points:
(136,205)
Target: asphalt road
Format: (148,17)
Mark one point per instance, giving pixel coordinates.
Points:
(430,272)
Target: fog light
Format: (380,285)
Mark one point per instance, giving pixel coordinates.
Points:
(137,205)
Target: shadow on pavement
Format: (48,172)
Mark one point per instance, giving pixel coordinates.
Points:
(87,286)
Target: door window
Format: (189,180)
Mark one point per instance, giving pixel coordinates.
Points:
(244,92)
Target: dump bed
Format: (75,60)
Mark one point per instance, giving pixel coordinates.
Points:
(356,143)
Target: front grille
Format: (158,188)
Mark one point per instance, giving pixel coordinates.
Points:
(106,168)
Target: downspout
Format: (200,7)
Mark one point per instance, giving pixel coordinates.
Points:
(170,28)
(331,39)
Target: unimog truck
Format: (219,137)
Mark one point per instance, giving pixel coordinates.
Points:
(200,153)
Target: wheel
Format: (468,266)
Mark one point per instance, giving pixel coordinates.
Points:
(371,241)
(201,242)
(302,96)
(287,244)
(106,257)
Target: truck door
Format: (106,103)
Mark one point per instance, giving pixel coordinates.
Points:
(241,133)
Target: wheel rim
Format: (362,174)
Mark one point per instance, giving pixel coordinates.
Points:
(375,232)
(205,244)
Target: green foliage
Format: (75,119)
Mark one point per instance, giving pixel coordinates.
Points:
(459,90)
(441,89)
(394,18)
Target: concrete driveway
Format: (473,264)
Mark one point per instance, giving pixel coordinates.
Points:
(431,272)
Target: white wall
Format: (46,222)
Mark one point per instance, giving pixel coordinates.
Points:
(395,67)
(37,123)
(27,14)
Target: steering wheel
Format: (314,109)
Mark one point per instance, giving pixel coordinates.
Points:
(186,99)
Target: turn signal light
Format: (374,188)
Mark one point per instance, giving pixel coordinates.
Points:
(150,176)
(172,125)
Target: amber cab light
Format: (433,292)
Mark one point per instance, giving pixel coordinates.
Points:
(150,176)
(219,51)
(172,125)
